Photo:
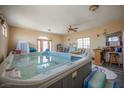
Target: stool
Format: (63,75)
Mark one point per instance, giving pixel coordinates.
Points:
(114,58)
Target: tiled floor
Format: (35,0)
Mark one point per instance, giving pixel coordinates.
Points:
(119,71)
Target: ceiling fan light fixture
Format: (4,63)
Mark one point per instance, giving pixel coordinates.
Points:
(49,29)
(93,7)
(72,29)
(2,19)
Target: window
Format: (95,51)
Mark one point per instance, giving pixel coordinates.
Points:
(114,41)
(4,30)
(83,42)
(114,38)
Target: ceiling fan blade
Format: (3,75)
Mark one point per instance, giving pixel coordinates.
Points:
(68,31)
(71,29)
(75,28)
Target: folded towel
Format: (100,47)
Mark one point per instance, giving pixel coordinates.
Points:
(97,81)
(13,73)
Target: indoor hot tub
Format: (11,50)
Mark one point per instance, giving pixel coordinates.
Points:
(45,69)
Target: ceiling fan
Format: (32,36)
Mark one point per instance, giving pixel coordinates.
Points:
(71,29)
(2,19)
(91,8)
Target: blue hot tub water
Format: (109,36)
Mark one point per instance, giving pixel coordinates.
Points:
(31,65)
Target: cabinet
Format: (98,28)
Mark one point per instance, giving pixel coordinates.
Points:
(77,81)
(59,47)
(58,84)
(98,56)
(74,79)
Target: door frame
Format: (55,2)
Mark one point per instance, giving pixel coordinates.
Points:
(41,43)
(123,48)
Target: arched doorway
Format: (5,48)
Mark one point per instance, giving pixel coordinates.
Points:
(43,43)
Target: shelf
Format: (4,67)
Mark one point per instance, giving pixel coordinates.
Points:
(114,46)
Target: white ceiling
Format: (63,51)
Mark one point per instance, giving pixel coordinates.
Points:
(57,18)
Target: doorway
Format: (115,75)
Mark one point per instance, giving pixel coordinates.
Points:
(43,44)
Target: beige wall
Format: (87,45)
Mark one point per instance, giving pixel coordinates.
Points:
(31,36)
(92,33)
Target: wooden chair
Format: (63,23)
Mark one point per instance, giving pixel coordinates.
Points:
(114,58)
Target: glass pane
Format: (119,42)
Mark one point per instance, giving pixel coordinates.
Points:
(50,45)
(84,43)
(115,38)
(3,30)
(45,45)
(79,41)
(39,45)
